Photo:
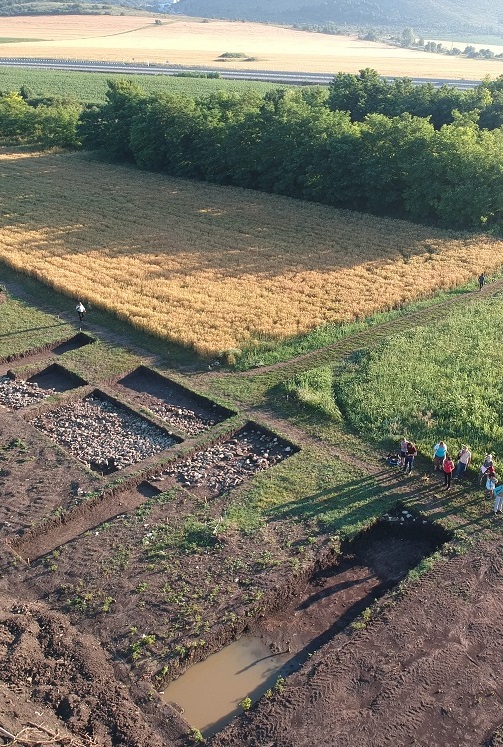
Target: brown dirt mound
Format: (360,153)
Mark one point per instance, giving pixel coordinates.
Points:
(45,662)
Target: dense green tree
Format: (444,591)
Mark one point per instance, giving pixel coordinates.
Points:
(16,116)
(165,133)
(108,127)
(56,126)
(389,149)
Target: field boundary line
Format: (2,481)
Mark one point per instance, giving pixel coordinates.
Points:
(366,338)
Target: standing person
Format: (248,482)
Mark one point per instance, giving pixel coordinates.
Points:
(403,451)
(448,469)
(498,499)
(491,481)
(81,310)
(464,459)
(482,280)
(410,454)
(486,464)
(439,453)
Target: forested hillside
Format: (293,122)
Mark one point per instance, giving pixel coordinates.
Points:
(426,17)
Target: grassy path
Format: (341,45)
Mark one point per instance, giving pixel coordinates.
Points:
(365,339)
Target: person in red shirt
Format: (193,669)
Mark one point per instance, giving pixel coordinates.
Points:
(410,453)
(448,469)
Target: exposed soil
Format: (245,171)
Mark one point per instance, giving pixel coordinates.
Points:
(57,378)
(40,354)
(127,586)
(372,565)
(179,407)
(425,672)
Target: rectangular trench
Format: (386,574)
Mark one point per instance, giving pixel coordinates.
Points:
(219,467)
(211,693)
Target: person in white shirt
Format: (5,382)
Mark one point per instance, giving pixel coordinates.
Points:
(464,459)
(81,310)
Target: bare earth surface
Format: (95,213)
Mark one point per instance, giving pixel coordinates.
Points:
(93,599)
(426,673)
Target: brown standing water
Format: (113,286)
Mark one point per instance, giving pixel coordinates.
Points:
(209,693)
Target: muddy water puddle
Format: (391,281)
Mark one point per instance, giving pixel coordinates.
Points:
(209,693)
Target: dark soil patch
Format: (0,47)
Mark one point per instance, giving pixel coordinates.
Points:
(36,479)
(46,665)
(45,351)
(81,519)
(57,378)
(332,598)
(182,409)
(425,671)
(74,343)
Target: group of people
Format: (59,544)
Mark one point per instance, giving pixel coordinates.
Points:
(453,469)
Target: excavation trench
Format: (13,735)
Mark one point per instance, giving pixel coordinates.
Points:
(220,467)
(46,351)
(210,693)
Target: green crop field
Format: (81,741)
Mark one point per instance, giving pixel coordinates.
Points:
(91,87)
(441,380)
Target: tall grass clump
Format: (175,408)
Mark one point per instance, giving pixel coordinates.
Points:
(438,381)
(314,390)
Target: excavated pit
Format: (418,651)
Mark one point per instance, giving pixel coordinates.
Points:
(173,403)
(74,343)
(103,433)
(330,604)
(226,464)
(57,378)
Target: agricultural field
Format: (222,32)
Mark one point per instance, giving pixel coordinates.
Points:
(92,87)
(223,269)
(201,42)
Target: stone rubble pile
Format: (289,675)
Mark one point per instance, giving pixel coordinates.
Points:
(228,464)
(181,417)
(16,393)
(102,435)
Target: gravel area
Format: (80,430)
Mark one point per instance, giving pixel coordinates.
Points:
(16,393)
(103,435)
(228,464)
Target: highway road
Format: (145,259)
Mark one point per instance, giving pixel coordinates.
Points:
(272,76)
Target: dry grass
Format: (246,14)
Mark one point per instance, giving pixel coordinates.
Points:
(211,267)
(191,42)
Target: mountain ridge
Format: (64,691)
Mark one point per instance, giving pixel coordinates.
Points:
(482,16)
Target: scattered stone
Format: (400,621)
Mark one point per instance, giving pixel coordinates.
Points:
(228,464)
(16,393)
(182,418)
(101,434)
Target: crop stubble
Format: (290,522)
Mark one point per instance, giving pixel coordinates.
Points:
(191,42)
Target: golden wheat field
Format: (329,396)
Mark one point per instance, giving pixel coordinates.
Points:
(214,267)
(194,42)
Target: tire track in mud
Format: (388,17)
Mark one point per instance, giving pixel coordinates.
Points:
(425,672)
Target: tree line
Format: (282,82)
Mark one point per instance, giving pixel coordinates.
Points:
(432,155)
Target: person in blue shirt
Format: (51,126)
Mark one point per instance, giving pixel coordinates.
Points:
(439,453)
